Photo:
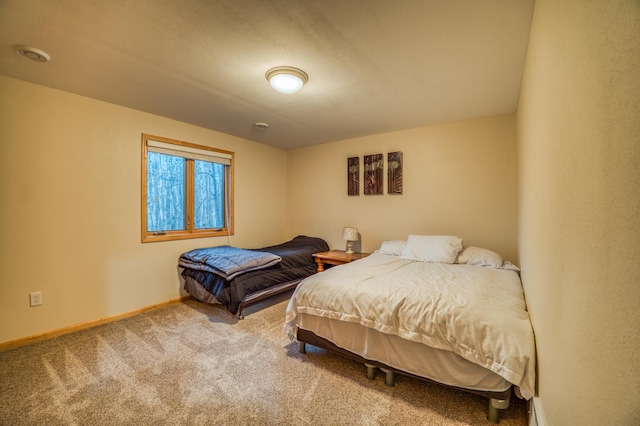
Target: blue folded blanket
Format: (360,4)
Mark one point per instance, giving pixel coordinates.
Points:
(227,261)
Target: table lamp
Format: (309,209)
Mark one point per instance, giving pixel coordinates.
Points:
(350,234)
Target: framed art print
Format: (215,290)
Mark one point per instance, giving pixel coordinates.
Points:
(373,168)
(394,172)
(353,176)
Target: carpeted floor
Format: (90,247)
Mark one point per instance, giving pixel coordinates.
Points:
(191,364)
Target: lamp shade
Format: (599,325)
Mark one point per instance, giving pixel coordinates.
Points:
(350,233)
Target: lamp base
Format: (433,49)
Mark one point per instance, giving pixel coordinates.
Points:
(349,247)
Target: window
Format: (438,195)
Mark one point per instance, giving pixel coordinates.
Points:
(187,190)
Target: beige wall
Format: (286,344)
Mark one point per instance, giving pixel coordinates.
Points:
(459,178)
(579,162)
(71,200)
(70,215)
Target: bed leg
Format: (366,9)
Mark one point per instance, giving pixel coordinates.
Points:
(371,372)
(495,405)
(390,377)
(303,347)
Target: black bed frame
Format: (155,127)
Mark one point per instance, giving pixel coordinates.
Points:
(497,400)
(259,296)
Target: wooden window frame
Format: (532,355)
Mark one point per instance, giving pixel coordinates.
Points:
(190,231)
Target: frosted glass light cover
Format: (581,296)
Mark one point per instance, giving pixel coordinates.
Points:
(286,83)
(286,79)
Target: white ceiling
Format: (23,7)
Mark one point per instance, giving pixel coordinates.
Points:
(374,65)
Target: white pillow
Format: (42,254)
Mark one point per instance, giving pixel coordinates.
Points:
(509,266)
(432,248)
(393,247)
(480,257)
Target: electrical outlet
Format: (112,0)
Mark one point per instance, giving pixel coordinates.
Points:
(35,298)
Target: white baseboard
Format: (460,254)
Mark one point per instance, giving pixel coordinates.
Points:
(537,414)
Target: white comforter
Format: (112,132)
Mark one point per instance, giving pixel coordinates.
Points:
(476,312)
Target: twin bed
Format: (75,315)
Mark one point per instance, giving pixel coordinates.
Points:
(425,307)
(237,278)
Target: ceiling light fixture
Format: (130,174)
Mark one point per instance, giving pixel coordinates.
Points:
(32,53)
(286,79)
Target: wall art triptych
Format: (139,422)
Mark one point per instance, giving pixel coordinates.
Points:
(373,174)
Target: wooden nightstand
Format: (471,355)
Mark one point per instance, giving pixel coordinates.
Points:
(336,257)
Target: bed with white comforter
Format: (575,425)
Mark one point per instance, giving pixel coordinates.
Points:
(464,325)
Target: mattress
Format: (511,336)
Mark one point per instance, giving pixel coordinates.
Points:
(410,357)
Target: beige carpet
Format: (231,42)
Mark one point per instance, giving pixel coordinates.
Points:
(192,363)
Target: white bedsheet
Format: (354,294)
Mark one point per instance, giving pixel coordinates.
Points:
(476,312)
